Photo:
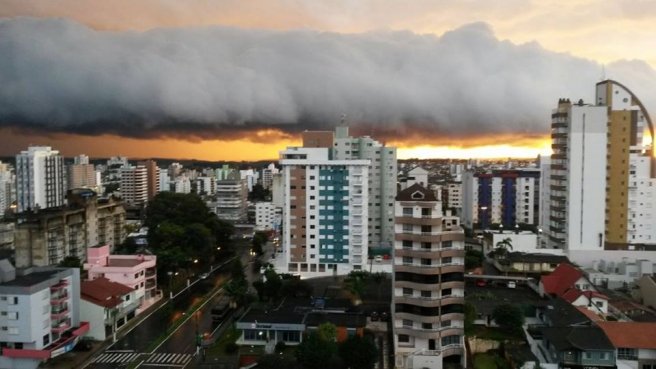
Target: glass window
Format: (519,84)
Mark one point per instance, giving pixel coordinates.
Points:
(407,260)
(407,291)
(407,212)
(450,340)
(407,323)
(404,338)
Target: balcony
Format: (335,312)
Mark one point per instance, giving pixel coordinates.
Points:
(424,220)
(57,313)
(151,272)
(59,347)
(59,328)
(58,298)
(62,284)
(150,284)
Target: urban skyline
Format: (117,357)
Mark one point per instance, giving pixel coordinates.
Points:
(439,103)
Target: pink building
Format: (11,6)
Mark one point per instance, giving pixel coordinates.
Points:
(138,272)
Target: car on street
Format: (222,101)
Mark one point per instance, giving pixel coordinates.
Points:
(378,259)
(204,276)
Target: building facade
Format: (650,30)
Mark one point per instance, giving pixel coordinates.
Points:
(107,306)
(382,181)
(428,292)
(48,236)
(506,197)
(40,314)
(600,157)
(231,198)
(138,272)
(40,178)
(134,185)
(324,212)
(267,216)
(7,188)
(152,177)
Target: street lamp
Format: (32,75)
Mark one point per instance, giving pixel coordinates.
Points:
(501,228)
(170,274)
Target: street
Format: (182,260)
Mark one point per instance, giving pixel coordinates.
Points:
(178,349)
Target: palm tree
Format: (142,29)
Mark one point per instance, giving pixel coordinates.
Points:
(354,283)
(502,247)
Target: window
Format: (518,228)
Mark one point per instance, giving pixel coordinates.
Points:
(46,339)
(426,245)
(407,260)
(426,326)
(425,261)
(407,228)
(426,294)
(450,340)
(447,292)
(404,338)
(627,353)
(447,244)
(407,323)
(588,355)
(407,244)
(603,356)
(446,323)
(407,291)
(447,260)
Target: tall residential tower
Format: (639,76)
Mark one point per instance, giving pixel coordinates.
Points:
(40,178)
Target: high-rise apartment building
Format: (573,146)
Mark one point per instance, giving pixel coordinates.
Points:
(7,188)
(324,212)
(231,198)
(81,174)
(152,176)
(382,174)
(382,181)
(267,176)
(134,185)
(600,162)
(505,197)
(428,286)
(40,179)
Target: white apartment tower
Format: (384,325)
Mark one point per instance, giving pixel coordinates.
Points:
(429,288)
(40,178)
(602,175)
(134,185)
(382,181)
(324,212)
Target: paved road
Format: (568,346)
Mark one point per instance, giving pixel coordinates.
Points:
(178,350)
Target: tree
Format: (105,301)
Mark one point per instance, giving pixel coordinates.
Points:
(259,193)
(502,247)
(473,259)
(275,361)
(378,278)
(181,228)
(236,289)
(355,283)
(318,350)
(259,240)
(71,262)
(359,352)
(470,316)
(509,318)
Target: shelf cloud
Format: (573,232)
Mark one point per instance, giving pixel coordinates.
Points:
(57,75)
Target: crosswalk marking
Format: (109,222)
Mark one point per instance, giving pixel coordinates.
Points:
(158,358)
(117,357)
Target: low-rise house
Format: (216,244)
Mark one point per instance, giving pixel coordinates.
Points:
(107,306)
(138,272)
(39,314)
(571,284)
(578,347)
(524,263)
(634,343)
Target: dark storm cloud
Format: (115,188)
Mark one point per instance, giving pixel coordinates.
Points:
(58,75)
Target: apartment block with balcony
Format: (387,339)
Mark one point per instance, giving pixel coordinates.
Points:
(39,314)
(231,198)
(138,272)
(107,306)
(47,236)
(325,212)
(428,296)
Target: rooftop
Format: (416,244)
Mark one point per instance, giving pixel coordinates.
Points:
(577,337)
(123,262)
(634,335)
(563,314)
(486,299)
(561,279)
(103,292)
(526,257)
(416,192)
(32,278)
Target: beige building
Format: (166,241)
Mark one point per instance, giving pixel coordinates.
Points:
(46,237)
(429,287)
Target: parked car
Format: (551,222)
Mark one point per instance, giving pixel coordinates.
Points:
(384,316)
(374,316)
(512,284)
(481,282)
(378,259)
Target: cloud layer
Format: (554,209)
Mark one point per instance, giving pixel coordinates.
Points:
(58,75)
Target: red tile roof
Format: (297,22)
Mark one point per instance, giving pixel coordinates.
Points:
(104,292)
(561,279)
(637,335)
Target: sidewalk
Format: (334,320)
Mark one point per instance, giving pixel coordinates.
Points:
(79,359)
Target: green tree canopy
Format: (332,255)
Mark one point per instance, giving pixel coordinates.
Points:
(359,352)
(509,317)
(319,349)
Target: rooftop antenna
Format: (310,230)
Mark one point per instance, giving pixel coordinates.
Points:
(603,72)
(343,119)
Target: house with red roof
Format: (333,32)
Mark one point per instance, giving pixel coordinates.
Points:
(107,306)
(634,342)
(570,283)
